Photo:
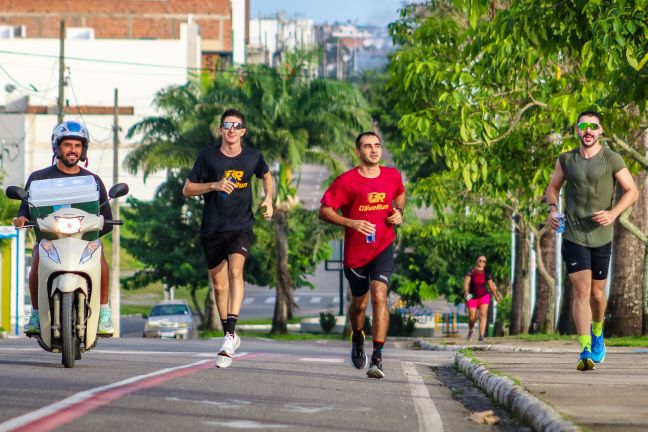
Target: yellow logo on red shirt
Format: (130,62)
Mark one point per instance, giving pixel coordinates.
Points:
(375,199)
(238,175)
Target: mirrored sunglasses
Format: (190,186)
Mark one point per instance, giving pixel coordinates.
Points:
(584,125)
(234,125)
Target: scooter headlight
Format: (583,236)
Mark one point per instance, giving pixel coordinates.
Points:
(89,250)
(69,225)
(49,248)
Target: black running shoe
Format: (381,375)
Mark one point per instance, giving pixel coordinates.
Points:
(358,355)
(375,369)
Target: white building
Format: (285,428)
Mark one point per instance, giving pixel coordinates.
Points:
(272,38)
(94,69)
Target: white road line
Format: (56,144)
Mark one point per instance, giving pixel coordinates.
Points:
(248,300)
(336,299)
(270,300)
(244,424)
(79,404)
(296,299)
(322,360)
(316,299)
(215,354)
(428,416)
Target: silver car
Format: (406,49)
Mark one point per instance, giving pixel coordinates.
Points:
(170,319)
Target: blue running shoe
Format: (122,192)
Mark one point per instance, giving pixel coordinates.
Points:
(598,348)
(585,361)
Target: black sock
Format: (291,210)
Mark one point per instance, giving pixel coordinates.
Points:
(224,324)
(378,349)
(231,323)
(357,337)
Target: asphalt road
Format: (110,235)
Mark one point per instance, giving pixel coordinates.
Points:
(167,385)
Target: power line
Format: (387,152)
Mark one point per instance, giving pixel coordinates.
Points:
(106,61)
(305,74)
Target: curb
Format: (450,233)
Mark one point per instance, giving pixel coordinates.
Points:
(487,347)
(531,410)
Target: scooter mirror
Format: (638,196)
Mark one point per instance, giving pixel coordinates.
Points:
(17,193)
(118,190)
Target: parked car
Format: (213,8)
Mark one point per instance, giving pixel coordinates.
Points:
(170,319)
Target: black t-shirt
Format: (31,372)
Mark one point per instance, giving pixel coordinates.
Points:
(53,172)
(234,212)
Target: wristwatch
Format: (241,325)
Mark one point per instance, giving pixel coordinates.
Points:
(552,205)
(400,210)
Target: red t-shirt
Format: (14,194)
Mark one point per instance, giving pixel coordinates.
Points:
(370,199)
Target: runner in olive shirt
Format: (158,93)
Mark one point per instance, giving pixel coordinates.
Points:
(590,173)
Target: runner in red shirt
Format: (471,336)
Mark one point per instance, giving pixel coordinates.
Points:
(364,196)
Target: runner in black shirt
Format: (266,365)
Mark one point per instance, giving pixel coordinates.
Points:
(222,174)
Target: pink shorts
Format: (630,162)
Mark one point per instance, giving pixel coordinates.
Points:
(473,303)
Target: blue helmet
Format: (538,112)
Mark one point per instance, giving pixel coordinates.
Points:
(71,129)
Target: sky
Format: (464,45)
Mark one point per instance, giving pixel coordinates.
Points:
(378,12)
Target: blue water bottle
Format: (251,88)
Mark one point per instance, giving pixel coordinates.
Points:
(561,225)
(225,195)
(371,238)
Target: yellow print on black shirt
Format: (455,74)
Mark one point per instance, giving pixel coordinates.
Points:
(238,175)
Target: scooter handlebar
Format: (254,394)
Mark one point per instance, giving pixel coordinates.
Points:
(113,222)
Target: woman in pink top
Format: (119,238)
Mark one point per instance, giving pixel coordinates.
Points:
(476,292)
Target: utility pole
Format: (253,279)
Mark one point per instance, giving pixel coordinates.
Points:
(61,86)
(115,295)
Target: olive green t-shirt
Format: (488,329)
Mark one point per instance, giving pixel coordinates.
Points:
(589,186)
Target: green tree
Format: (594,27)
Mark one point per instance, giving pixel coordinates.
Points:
(493,93)
(165,238)
(433,257)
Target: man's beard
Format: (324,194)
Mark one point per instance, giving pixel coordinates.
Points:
(582,140)
(69,164)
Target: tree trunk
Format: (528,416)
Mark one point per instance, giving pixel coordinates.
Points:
(544,313)
(521,282)
(284,299)
(211,319)
(624,316)
(566,323)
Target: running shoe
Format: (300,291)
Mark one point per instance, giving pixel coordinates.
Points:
(481,338)
(358,356)
(598,348)
(469,337)
(375,369)
(223,361)
(231,342)
(585,361)
(105,322)
(33,326)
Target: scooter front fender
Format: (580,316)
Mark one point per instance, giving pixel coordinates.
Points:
(69,282)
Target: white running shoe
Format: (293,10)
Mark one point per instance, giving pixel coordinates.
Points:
(223,361)
(231,342)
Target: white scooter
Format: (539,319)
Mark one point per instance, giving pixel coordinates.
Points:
(69,277)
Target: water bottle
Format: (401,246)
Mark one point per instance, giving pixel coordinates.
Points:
(371,238)
(561,225)
(225,195)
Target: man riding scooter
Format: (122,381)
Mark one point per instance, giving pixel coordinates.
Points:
(70,141)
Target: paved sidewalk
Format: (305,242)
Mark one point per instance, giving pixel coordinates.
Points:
(547,391)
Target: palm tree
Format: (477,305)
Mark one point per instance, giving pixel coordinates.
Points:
(290,118)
